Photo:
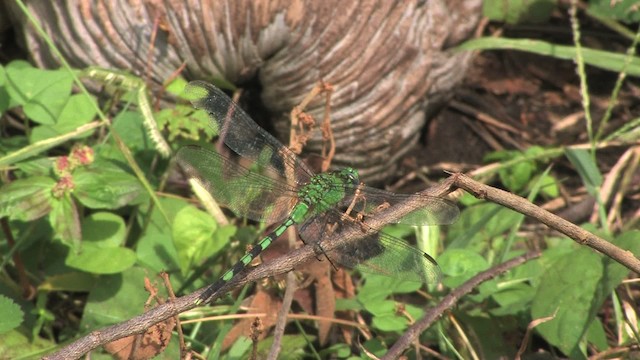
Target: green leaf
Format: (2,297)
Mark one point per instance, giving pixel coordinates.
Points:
(295,345)
(518,11)
(460,265)
(480,224)
(101,251)
(548,185)
(623,10)
(3,76)
(378,287)
(4,97)
(336,351)
(96,259)
(117,298)
(42,93)
(27,199)
(129,125)
(105,186)
(197,236)
(386,315)
(568,289)
(74,281)
(414,312)
(176,87)
(375,346)
(78,111)
(183,122)
(11,316)
(378,306)
(155,248)
(597,336)
(37,166)
(104,229)
(390,322)
(586,167)
(519,174)
(240,348)
(17,344)
(349,304)
(616,272)
(513,300)
(10,144)
(512,291)
(64,220)
(600,58)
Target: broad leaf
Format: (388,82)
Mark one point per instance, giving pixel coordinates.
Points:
(105,186)
(567,290)
(64,220)
(27,199)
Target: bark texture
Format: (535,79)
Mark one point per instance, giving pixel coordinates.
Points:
(387,60)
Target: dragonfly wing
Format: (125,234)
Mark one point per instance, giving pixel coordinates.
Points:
(427,210)
(242,135)
(379,253)
(387,255)
(258,196)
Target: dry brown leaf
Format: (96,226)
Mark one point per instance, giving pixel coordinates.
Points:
(263,302)
(344,289)
(143,346)
(325,297)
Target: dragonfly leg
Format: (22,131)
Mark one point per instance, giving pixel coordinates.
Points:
(359,217)
(356,196)
(319,252)
(302,229)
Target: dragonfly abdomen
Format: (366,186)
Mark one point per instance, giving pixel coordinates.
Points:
(297,215)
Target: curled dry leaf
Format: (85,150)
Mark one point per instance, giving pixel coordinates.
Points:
(143,346)
(262,302)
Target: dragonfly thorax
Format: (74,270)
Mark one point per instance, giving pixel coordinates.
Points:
(326,190)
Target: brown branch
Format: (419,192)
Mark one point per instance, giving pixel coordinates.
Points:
(449,301)
(282,316)
(521,205)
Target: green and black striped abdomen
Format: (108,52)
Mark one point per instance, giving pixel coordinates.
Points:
(298,214)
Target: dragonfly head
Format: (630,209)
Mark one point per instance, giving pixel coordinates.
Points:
(350,176)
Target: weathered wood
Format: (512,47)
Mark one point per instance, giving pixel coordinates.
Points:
(386,59)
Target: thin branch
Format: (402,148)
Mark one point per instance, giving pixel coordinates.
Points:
(449,301)
(521,205)
(282,315)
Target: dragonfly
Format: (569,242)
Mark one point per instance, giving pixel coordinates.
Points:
(268,182)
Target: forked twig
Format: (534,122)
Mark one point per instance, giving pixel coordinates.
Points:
(449,301)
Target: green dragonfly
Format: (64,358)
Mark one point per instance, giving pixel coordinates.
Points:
(269,183)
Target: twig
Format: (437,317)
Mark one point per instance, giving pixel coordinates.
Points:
(172,297)
(282,316)
(529,334)
(573,231)
(450,300)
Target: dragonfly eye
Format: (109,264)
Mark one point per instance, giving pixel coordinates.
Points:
(352,176)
